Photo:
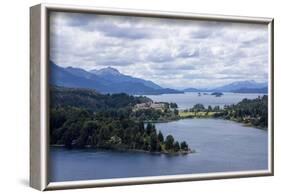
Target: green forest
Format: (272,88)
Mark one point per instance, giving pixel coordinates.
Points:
(84,118)
(252,112)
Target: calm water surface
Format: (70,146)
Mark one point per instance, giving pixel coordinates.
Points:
(220,145)
(189,99)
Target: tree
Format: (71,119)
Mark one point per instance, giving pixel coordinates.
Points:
(153,142)
(198,107)
(149,127)
(141,126)
(67,139)
(105,133)
(173,105)
(70,136)
(169,143)
(82,140)
(184,146)
(146,145)
(216,108)
(160,137)
(176,146)
(176,112)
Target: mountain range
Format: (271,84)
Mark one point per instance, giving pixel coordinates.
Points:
(248,86)
(110,80)
(106,80)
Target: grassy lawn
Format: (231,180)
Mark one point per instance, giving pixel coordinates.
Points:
(198,114)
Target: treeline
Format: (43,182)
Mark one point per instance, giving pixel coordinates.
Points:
(202,108)
(248,111)
(82,118)
(92,100)
(110,105)
(154,115)
(77,128)
(254,112)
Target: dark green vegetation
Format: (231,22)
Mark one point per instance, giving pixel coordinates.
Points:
(93,101)
(251,112)
(84,118)
(154,115)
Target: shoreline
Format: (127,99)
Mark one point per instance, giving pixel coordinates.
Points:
(181,152)
(131,150)
(209,117)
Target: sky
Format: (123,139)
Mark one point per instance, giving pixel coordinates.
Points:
(172,53)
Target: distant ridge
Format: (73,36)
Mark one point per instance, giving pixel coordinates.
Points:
(192,90)
(113,75)
(251,90)
(248,86)
(106,80)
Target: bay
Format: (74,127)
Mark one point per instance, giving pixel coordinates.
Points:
(221,146)
(189,99)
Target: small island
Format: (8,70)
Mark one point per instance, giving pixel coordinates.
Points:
(217,94)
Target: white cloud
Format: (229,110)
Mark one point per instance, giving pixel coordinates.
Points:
(172,53)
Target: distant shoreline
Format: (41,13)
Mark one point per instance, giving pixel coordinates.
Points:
(203,116)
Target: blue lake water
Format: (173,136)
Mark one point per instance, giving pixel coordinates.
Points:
(221,146)
(189,99)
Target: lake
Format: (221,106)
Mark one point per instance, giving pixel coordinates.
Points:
(189,99)
(221,146)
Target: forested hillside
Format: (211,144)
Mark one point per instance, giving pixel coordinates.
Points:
(254,112)
(92,100)
(84,118)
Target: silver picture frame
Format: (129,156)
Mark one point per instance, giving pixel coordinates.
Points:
(39,99)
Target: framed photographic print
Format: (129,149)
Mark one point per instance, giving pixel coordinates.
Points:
(123,97)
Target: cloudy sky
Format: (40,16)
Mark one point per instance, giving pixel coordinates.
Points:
(172,53)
